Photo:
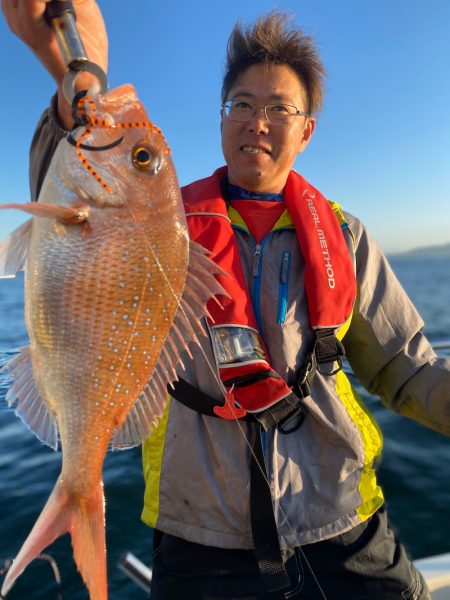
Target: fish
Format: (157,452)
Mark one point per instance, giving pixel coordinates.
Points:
(114,294)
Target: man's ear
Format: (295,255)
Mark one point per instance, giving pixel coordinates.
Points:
(307,133)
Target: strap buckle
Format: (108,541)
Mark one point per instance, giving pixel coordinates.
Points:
(328,349)
(299,414)
(302,387)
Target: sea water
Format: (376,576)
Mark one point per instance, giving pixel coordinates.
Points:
(415,470)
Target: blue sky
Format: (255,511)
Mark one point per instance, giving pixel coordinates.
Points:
(382,144)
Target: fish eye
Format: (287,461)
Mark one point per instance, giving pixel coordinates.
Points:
(146,160)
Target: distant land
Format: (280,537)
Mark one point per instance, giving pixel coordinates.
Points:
(438,251)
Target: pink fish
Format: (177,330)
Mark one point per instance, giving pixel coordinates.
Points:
(114,293)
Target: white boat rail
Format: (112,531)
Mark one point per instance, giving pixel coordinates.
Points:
(436,570)
(441,345)
(136,570)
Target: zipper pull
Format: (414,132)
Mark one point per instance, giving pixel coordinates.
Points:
(284,268)
(256,257)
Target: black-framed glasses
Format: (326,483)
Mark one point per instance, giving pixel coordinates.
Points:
(240,110)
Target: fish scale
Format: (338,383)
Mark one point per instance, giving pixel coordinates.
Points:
(92,297)
(113,298)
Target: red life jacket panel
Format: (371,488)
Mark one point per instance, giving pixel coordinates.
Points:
(329,281)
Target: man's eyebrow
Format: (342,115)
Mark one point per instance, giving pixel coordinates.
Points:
(272,97)
(244,94)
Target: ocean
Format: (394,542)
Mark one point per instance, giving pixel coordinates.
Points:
(414,473)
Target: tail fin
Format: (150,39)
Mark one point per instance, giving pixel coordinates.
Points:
(83,518)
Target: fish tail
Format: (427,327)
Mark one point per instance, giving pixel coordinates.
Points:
(88,541)
(83,518)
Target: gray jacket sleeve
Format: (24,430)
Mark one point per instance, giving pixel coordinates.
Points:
(43,145)
(385,344)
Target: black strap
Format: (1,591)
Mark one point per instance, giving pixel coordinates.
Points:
(264,529)
(279,415)
(282,413)
(195,399)
(328,350)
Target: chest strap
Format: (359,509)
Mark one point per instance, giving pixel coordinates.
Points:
(326,352)
(278,415)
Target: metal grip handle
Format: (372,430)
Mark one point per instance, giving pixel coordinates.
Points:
(60,15)
(56,8)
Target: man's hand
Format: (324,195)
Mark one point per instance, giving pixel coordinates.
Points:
(26,19)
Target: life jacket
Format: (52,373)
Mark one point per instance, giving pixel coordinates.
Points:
(242,359)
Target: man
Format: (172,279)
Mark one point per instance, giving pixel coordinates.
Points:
(303,277)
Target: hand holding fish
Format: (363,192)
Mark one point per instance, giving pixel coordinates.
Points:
(26,20)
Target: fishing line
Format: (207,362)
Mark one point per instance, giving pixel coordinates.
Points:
(252,452)
(7,563)
(102,123)
(280,508)
(92,121)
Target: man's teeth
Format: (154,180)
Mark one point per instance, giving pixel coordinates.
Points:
(253,150)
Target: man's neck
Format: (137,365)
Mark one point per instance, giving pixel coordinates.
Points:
(236,192)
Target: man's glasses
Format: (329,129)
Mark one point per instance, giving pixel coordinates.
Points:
(239,110)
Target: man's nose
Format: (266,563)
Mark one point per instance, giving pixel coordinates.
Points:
(259,120)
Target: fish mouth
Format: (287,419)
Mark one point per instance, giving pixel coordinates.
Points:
(74,142)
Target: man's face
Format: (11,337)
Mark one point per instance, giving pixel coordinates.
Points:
(260,154)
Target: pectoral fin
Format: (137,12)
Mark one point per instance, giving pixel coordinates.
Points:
(64,214)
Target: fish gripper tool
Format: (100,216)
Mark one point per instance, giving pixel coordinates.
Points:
(60,15)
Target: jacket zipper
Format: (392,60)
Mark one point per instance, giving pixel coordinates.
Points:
(256,287)
(283,287)
(256,273)
(256,257)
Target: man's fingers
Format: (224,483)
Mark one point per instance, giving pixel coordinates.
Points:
(7,3)
(23,14)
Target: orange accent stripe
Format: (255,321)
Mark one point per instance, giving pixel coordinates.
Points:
(92,121)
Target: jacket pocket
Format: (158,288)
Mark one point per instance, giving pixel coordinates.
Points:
(283,287)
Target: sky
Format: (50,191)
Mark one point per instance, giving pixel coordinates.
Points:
(381,147)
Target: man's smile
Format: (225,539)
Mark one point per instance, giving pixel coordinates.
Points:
(255,149)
